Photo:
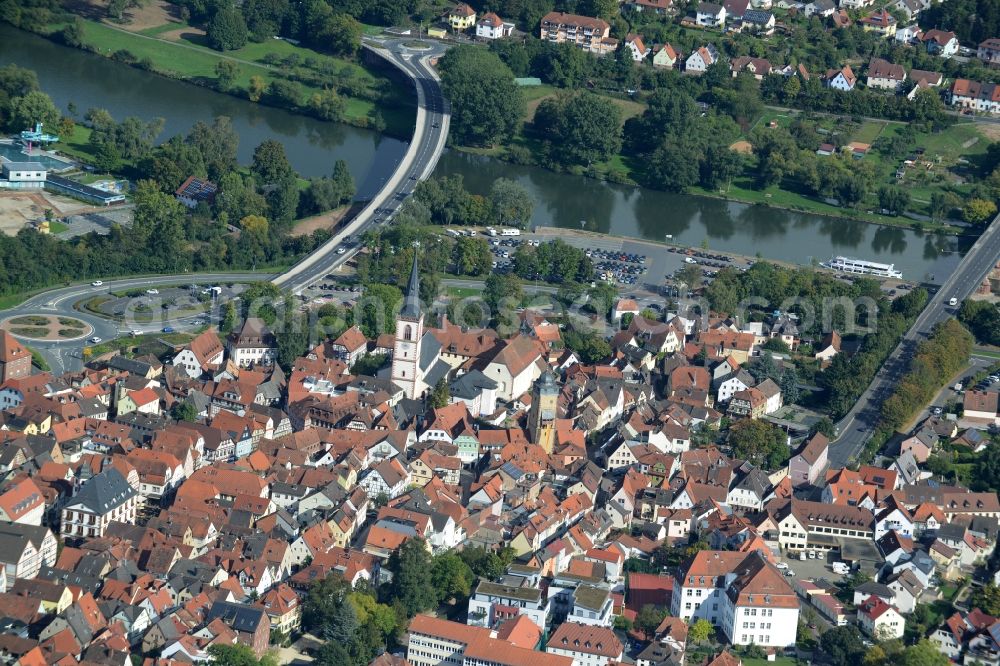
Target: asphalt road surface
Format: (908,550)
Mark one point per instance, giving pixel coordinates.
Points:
(429,137)
(857,426)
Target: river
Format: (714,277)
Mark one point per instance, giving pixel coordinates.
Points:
(88,81)
(562,200)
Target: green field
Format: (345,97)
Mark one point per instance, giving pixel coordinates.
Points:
(189,59)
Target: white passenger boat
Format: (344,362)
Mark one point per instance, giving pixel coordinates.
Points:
(850,265)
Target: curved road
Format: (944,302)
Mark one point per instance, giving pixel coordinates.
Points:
(429,137)
(428,142)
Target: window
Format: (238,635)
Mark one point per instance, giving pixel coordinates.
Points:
(408,332)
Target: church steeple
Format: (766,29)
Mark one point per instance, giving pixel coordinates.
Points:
(411,306)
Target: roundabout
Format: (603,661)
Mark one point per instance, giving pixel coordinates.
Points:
(47,328)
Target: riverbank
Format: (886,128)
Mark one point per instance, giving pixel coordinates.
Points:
(616,171)
(370,100)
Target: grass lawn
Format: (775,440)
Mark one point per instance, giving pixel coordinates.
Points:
(868,132)
(56,227)
(778,661)
(121,344)
(983,353)
(463,292)
(190,60)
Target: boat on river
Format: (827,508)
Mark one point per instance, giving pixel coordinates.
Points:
(860,266)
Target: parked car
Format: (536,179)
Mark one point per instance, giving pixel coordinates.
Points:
(168,329)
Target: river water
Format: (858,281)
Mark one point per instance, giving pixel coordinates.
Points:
(89,81)
(562,200)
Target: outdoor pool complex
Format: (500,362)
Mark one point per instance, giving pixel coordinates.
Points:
(15,152)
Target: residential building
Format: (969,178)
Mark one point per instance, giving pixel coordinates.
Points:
(461,17)
(842,79)
(15,358)
(194,191)
(758,67)
(710,15)
(988,51)
(590,34)
(491,26)
(637,49)
(758,22)
(701,59)
(436,642)
(885,75)
(943,43)
(805,467)
(587,644)
(666,57)
(200,355)
(880,620)
(25,549)
(881,22)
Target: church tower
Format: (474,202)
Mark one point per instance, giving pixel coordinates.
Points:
(542,416)
(409,332)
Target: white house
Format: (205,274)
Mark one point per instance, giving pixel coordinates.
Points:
(636,48)
(253,344)
(710,15)
(515,367)
(821,8)
(840,79)
(388,478)
(201,354)
(880,620)
(491,26)
(701,59)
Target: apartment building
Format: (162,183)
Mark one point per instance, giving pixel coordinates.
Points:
(590,34)
(975,96)
(492,603)
(436,642)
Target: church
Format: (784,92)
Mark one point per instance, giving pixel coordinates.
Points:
(416,355)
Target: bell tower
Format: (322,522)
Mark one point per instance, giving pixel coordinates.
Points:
(542,415)
(409,332)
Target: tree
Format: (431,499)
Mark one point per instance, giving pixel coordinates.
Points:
(893,199)
(440,396)
(789,386)
(510,203)
(673,166)
(986,599)
(473,256)
(238,655)
(327,105)
(184,411)
(501,288)
(759,442)
(378,311)
(270,164)
(486,103)
(451,576)
(227,30)
(700,631)
(924,653)
(228,318)
(579,128)
(843,645)
(590,346)
(33,107)
(341,34)
(412,578)
(256,89)
(691,276)
(227,72)
(978,211)
(649,618)
(218,144)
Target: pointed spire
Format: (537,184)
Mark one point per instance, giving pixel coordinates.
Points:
(411,306)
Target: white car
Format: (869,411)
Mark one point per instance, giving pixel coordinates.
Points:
(341,250)
(96,283)
(953,301)
(152,292)
(135,332)
(95,339)
(689,260)
(781,565)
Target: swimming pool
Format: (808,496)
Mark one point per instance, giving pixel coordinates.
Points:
(14,152)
